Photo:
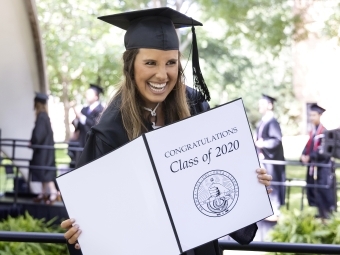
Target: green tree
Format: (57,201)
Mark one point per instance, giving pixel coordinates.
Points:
(78,48)
(248,53)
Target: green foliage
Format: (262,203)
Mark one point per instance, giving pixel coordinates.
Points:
(332,24)
(302,227)
(28,224)
(251,55)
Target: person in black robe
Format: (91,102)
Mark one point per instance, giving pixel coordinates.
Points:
(323,199)
(152,95)
(42,134)
(269,147)
(85,119)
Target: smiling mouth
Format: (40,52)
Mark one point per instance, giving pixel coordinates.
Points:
(157,87)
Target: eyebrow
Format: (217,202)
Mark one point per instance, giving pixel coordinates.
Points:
(152,60)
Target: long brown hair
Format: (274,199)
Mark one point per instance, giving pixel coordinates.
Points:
(175,105)
(39,107)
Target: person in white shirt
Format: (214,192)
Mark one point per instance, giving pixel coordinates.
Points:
(85,119)
(268,143)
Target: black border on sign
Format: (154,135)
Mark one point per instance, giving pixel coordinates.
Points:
(162,193)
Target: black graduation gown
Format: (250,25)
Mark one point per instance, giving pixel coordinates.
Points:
(270,132)
(91,119)
(323,199)
(42,135)
(109,134)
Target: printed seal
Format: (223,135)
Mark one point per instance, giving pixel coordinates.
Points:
(216,193)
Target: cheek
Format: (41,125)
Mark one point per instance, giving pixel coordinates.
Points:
(173,75)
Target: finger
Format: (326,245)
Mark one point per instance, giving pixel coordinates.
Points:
(77,246)
(66,224)
(265,177)
(261,171)
(265,182)
(74,238)
(71,232)
(269,190)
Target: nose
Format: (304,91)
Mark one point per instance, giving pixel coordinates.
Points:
(162,73)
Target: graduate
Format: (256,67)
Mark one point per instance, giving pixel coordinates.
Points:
(88,116)
(152,94)
(269,147)
(42,134)
(323,199)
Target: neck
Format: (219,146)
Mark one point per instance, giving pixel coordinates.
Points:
(159,113)
(268,112)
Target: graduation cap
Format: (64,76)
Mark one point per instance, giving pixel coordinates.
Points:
(269,98)
(316,108)
(40,97)
(155,29)
(97,88)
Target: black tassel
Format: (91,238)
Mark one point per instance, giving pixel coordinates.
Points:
(199,82)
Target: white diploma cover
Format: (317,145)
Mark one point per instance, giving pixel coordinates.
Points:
(170,190)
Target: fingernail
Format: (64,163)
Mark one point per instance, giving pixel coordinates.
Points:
(79,231)
(76,226)
(72,220)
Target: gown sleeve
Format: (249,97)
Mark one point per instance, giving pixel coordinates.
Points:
(275,136)
(40,131)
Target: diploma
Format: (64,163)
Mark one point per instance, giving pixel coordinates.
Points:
(171,189)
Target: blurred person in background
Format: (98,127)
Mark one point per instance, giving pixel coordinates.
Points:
(85,119)
(268,142)
(43,135)
(321,198)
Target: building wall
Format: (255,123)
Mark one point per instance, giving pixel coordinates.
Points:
(316,67)
(19,76)
(19,73)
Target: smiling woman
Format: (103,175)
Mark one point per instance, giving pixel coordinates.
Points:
(156,74)
(153,94)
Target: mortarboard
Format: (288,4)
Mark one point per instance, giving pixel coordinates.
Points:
(155,29)
(269,98)
(316,108)
(40,97)
(97,88)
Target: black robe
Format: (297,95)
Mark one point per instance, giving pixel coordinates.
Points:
(91,119)
(270,132)
(83,129)
(323,199)
(109,134)
(42,135)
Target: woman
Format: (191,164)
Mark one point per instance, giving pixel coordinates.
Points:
(43,135)
(153,94)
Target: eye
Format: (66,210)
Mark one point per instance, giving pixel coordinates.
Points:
(150,63)
(172,62)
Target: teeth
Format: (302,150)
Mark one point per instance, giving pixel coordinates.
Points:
(158,86)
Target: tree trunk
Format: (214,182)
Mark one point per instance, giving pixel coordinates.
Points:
(66,103)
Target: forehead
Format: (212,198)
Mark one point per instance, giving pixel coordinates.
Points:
(157,54)
(263,101)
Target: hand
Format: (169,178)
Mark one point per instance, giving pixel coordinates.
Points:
(73,232)
(77,112)
(305,159)
(264,178)
(259,143)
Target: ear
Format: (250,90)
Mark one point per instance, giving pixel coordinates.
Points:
(270,106)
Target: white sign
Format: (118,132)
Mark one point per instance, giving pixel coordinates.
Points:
(172,189)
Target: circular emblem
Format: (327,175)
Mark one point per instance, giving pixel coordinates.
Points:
(216,193)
